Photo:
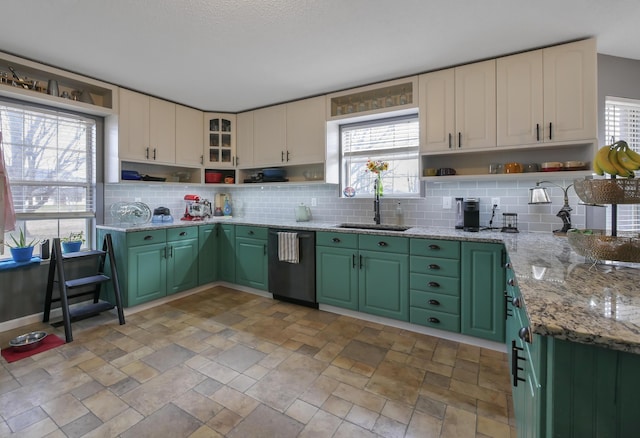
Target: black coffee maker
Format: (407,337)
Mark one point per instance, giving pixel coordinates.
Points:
(471,210)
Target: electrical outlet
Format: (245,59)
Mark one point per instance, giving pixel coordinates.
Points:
(446,202)
(314,202)
(495,201)
(137,199)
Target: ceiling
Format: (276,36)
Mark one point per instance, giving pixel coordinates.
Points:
(234,55)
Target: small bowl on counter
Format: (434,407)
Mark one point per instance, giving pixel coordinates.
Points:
(552,166)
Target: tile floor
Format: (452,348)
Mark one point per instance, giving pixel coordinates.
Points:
(228,363)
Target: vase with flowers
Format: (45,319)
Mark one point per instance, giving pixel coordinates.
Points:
(377,167)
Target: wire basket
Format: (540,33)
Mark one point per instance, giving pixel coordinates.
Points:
(598,246)
(608,191)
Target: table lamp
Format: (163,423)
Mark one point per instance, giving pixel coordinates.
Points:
(539,195)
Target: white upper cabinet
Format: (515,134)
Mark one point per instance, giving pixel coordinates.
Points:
(457,108)
(437,110)
(188,138)
(133,126)
(306,131)
(570,91)
(162,131)
(244,141)
(476,105)
(269,135)
(219,140)
(548,95)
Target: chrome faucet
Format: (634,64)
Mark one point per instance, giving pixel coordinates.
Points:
(376,202)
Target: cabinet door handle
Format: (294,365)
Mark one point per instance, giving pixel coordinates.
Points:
(148,237)
(459,139)
(171,251)
(550,130)
(336,240)
(183,233)
(154,153)
(146,153)
(433,320)
(360,262)
(537,131)
(288,156)
(434,302)
(451,139)
(201,159)
(434,266)
(434,247)
(264,249)
(353,261)
(525,334)
(514,363)
(433,284)
(383,243)
(282,156)
(164,252)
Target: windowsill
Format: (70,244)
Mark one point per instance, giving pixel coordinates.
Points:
(6,265)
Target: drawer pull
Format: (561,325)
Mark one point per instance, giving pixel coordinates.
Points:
(511,282)
(183,233)
(434,302)
(148,237)
(525,334)
(434,266)
(433,284)
(516,302)
(434,247)
(507,265)
(250,233)
(433,320)
(383,243)
(335,240)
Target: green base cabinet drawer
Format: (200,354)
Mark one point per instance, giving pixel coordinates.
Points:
(434,283)
(383,243)
(340,240)
(435,266)
(146,237)
(435,319)
(252,232)
(448,249)
(433,301)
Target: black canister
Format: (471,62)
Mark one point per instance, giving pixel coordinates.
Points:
(471,215)
(44,249)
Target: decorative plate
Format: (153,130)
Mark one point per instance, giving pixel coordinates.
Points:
(134,213)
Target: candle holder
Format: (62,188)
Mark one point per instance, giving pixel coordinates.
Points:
(510,223)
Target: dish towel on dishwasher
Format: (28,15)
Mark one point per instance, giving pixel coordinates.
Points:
(288,247)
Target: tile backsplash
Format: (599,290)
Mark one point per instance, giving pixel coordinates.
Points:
(277,202)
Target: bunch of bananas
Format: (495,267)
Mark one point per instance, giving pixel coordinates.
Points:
(616,159)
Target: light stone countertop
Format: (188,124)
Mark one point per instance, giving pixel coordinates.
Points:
(566,296)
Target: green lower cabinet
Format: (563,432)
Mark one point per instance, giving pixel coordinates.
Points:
(182,259)
(251,262)
(227,253)
(208,238)
(482,291)
(337,277)
(383,284)
(147,273)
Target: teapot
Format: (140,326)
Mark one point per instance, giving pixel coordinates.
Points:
(303,213)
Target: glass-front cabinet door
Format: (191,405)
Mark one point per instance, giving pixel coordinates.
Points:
(219,140)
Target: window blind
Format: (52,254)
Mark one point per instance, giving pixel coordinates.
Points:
(50,160)
(622,122)
(394,140)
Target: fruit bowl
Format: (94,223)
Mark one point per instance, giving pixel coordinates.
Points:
(595,245)
(608,191)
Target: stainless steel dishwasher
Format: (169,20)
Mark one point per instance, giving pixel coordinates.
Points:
(293,282)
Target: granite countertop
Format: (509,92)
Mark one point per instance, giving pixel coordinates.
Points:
(566,295)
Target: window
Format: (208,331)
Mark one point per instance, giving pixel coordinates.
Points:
(50,157)
(394,140)
(622,122)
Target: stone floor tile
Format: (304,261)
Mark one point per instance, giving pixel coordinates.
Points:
(224,421)
(301,411)
(423,426)
(346,376)
(362,352)
(242,383)
(86,390)
(322,425)
(235,401)
(493,428)
(26,419)
(169,421)
(397,411)
(256,372)
(117,425)
(168,357)
(396,382)
(431,407)
(39,429)
(240,358)
(201,407)
(337,406)
(458,423)
(82,425)
(140,371)
(205,432)
(319,391)
(363,417)
(350,430)
(478,392)
(267,422)
(495,412)
(105,405)
(389,428)
(219,372)
(452,398)
(107,374)
(360,397)
(64,409)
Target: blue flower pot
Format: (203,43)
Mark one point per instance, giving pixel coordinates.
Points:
(71,246)
(20,255)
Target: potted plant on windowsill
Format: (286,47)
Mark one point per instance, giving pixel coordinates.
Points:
(21,250)
(72,242)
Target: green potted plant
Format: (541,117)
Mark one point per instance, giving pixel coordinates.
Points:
(21,250)
(72,242)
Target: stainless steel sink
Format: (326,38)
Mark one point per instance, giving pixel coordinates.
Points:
(375,227)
